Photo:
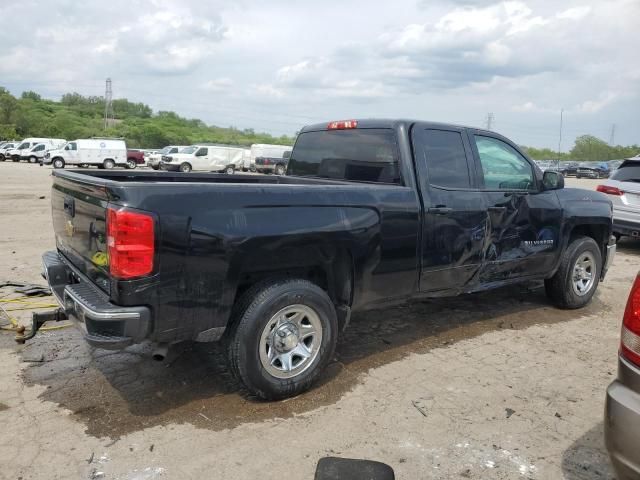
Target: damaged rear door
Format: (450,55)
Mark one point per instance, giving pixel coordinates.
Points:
(455,216)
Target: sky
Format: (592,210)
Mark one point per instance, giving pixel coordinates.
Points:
(277,65)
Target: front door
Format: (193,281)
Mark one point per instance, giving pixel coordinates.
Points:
(455,218)
(524,219)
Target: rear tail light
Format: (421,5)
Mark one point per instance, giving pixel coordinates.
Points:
(609,190)
(342,125)
(630,337)
(130,243)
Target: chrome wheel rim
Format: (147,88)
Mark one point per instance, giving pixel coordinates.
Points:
(584,274)
(290,341)
(229,171)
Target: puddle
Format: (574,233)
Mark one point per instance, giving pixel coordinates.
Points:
(116,393)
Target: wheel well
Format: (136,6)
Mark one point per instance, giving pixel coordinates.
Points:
(598,232)
(334,276)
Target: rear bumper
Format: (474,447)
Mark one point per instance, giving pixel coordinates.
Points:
(104,324)
(622,423)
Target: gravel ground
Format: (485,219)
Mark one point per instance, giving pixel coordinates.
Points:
(494,385)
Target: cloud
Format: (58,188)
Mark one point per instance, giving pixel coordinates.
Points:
(277,65)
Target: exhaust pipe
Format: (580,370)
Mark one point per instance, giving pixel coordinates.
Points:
(160,352)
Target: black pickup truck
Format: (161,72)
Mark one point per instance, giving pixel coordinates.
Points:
(370,213)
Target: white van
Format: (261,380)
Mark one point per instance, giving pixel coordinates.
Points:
(274,155)
(246,160)
(36,153)
(20,152)
(5,148)
(102,152)
(153,159)
(205,158)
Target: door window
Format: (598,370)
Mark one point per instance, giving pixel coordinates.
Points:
(71,146)
(503,167)
(202,152)
(38,148)
(446,159)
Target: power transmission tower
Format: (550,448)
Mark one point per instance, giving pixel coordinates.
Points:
(612,137)
(108,105)
(489,120)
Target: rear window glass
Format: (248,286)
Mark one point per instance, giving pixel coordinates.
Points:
(362,155)
(627,172)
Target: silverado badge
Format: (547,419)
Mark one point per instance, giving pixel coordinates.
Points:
(69,228)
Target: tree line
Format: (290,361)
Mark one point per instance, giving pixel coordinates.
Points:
(78,116)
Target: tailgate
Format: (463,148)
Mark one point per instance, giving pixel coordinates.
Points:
(78,212)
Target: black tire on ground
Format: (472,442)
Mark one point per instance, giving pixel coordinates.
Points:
(255,311)
(15,159)
(108,164)
(185,168)
(131,164)
(155,167)
(2,159)
(33,159)
(560,288)
(618,236)
(58,163)
(230,170)
(280,170)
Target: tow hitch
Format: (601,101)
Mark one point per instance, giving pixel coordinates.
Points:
(37,320)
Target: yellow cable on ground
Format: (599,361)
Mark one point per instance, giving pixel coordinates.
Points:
(27,305)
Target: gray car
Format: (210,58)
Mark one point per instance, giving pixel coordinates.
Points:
(623,188)
(622,411)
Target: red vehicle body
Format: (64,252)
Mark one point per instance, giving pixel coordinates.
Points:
(134,158)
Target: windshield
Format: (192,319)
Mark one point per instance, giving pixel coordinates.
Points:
(23,146)
(164,151)
(364,155)
(627,172)
(188,150)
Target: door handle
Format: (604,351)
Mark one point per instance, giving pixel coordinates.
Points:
(440,210)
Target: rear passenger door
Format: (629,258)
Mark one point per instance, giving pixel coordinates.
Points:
(455,216)
(524,219)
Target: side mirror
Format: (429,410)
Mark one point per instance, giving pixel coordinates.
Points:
(552,180)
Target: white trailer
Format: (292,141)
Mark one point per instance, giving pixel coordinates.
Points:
(101,152)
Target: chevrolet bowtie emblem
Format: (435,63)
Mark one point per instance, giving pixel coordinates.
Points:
(70,228)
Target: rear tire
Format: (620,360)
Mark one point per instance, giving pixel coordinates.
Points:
(2,159)
(185,168)
(578,276)
(108,164)
(155,167)
(283,333)
(33,159)
(131,164)
(280,170)
(230,170)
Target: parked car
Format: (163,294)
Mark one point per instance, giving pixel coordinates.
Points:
(592,170)
(265,150)
(22,150)
(100,152)
(134,158)
(153,159)
(546,164)
(623,187)
(569,169)
(5,148)
(622,409)
(371,212)
(273,165)
(204,158)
